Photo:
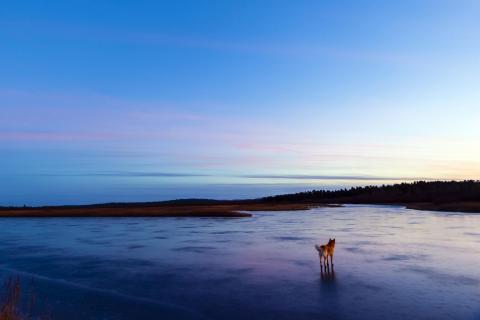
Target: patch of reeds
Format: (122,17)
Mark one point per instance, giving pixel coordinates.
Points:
(14,306)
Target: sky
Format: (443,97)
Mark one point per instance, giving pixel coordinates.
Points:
(150,100)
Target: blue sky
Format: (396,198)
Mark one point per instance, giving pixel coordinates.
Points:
(128,100)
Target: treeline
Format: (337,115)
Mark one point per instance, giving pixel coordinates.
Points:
(416,192)
(420,191)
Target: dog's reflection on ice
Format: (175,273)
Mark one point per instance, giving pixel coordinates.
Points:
(327,273)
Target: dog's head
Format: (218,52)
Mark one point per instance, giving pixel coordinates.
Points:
(331,241)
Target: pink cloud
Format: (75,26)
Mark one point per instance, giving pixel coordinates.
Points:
(262,147)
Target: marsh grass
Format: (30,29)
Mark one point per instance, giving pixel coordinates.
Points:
(14,306)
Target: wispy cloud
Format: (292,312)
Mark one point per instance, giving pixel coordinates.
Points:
(54,136)
(157,174)
(146,174)
(299,50)
(147,38)
(120,174)
(336,177)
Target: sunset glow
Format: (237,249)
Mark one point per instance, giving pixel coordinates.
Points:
(234,94)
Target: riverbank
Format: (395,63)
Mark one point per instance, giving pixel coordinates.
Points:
(206,208)
(167,209)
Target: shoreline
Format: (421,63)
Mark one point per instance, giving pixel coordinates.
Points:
(220,210)
(462,206)
(208,208)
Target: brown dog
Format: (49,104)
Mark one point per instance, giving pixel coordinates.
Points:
(326,251)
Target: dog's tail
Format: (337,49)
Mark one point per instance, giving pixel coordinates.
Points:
(317,247)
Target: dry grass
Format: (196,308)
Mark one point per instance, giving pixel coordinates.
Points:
(15,305)
(233,210)
(10,302)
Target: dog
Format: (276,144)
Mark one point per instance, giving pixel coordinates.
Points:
(326,251)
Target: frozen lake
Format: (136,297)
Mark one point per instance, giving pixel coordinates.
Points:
(390,263)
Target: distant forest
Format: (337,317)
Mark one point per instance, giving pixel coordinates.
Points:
(434,192)
(420,191)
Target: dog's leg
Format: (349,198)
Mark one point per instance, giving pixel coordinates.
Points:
(331,260)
